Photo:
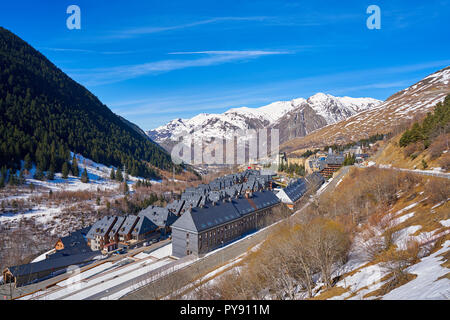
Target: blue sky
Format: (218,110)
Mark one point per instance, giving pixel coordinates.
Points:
(153,61)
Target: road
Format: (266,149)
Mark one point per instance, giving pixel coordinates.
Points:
(421,172)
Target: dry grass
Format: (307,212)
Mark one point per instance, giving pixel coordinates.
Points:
(391,285)
(411,156)
(330,293)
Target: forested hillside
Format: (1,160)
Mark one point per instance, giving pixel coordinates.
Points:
(45,115)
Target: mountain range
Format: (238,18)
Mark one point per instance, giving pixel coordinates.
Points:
(397,111)
(294,118)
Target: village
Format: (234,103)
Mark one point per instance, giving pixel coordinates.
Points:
(201,220)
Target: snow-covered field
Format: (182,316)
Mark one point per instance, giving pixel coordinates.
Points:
(45,210)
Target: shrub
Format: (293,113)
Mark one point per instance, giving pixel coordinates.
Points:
(444,162)
(438,189)
(438,146)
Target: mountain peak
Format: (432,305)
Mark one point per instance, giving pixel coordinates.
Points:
(327,109)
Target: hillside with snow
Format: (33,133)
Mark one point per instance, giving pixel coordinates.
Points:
(323,109)
(399,247)
(39,211)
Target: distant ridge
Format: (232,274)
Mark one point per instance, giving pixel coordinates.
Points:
(293,118)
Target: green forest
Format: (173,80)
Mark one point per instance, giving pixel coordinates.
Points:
(45,115)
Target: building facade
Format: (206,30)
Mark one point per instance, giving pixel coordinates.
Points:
(205,229)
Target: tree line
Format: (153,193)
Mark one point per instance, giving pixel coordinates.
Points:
(434,124)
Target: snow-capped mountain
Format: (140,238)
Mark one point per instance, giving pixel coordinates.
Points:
(315,112)
(399,109)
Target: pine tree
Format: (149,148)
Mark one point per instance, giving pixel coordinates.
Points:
(125,188)
(21,177)
(119,176)
(4,174)
(39,174)
(13,180)
(65,170)
(51,173)
(75,170)
(84,176)
(424,164)
(28,163)
(112,176)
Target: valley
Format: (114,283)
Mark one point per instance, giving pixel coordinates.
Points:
(353,205)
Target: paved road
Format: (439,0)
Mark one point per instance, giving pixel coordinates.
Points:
(424,172)
(421,172)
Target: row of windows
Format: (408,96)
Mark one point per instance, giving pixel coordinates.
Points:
(229,231)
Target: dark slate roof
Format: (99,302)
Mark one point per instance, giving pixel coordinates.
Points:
(128,224)
(193,201)
(242,206)
(202,201)
(101,227)
(143,226)
(161,217)
(295,190)
(176,206)
(49,264)
(74,243)
(214,196)
(115,229)
(264,199)
(211,215)
(231,191)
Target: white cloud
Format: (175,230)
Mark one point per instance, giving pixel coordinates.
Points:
(128,33)
(116,74)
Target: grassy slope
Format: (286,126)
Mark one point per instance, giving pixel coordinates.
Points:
(426,215)
(393,154)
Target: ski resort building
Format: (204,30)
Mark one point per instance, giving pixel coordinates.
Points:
(292,193)
(98,235)
(29,273)
(206,228)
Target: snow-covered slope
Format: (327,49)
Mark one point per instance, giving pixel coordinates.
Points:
(328,108)
(401,107)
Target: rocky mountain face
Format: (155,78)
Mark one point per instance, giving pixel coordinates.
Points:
(295,118)
(399,109)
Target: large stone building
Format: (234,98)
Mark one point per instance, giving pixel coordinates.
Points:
(206,228)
